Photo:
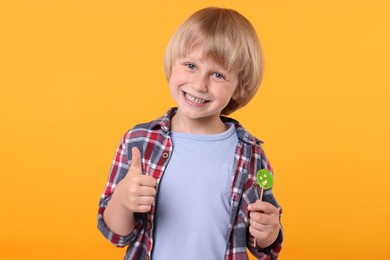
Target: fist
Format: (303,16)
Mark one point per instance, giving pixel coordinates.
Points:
(263,222)
(136,191)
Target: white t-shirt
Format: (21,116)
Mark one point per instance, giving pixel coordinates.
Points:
(193,200)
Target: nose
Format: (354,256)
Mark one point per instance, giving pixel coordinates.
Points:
(199,83)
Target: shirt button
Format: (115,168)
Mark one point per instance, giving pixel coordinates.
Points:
(149,225)
(147,257)
(255,185)
(165,155)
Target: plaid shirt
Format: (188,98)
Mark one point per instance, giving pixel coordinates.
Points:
(154,142)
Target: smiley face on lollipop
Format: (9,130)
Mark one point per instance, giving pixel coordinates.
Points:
(265,180)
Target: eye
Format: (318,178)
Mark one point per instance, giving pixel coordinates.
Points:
(190,66)
(218,75)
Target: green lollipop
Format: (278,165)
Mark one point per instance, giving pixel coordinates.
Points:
(265,180)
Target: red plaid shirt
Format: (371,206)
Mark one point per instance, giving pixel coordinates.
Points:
(154,142)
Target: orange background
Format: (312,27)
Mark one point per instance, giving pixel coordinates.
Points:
(75,75)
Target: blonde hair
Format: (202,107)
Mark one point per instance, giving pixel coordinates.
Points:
(228,39)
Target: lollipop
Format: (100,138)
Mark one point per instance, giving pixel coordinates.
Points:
(265,180)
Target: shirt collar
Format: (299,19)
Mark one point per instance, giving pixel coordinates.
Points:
(242,133)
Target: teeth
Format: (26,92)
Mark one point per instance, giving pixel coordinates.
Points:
(194,100)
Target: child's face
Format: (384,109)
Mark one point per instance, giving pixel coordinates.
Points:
(200,87)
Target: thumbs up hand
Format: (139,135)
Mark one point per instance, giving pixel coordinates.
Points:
(136,191)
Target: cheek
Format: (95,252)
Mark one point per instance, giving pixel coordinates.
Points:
(229,93)
(174,84)
(176,78)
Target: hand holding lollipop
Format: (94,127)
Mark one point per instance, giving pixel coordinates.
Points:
(265,181)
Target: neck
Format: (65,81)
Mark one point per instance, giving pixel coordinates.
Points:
(205,126)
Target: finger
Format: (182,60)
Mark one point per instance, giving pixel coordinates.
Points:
(147,180)
(147,191)
(257,206)
(135,166)
(257,226)
(145,200)
(144,203)
(143,208)
(260,218)
(259,234)
(262,206)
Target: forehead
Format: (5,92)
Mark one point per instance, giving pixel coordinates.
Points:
(199,54)
(204,54)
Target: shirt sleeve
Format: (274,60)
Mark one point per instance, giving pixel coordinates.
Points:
(118,171)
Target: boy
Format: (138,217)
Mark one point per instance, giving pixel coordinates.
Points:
(184,186)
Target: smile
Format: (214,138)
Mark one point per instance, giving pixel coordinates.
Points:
(194,99)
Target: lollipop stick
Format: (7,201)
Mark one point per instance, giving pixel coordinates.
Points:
(261,194)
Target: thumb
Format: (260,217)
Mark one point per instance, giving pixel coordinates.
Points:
(135,166)
(256,206)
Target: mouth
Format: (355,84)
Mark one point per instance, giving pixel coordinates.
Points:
(195,100)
